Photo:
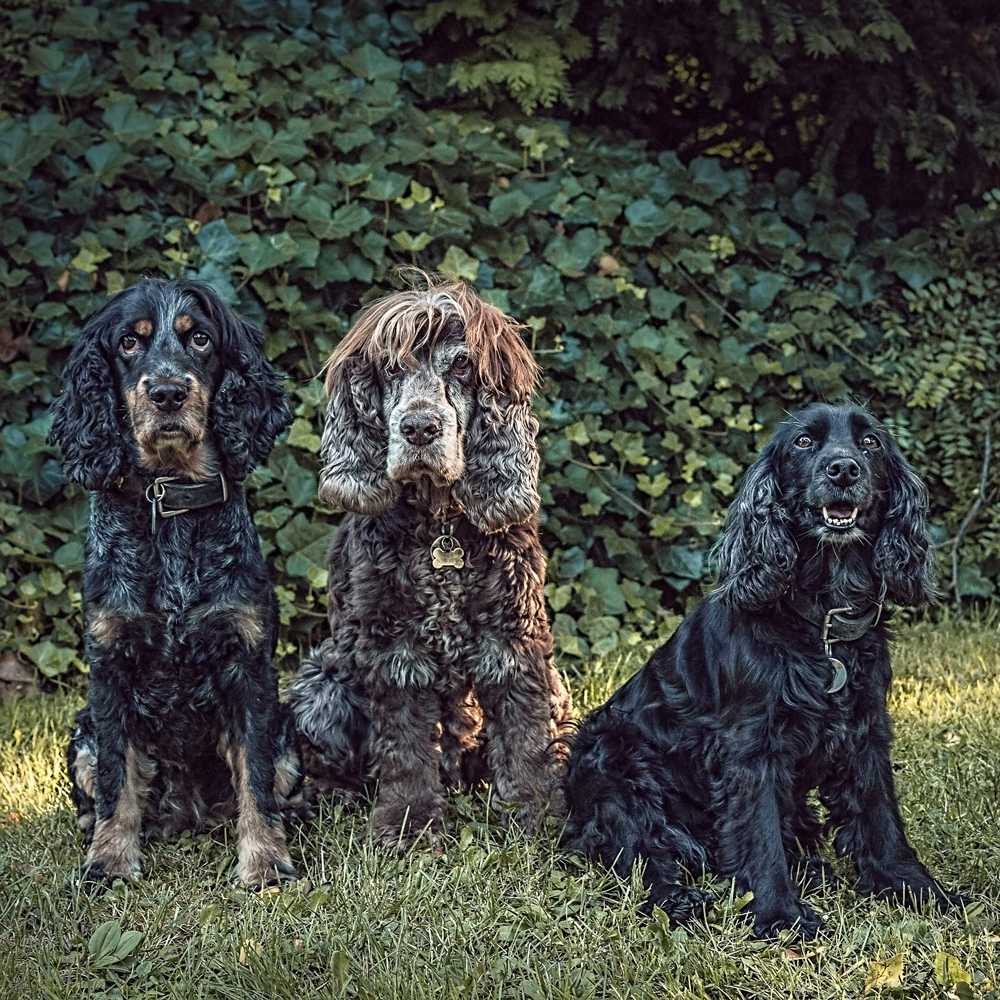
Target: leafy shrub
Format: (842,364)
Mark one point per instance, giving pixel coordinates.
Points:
(678,311)
(897,99)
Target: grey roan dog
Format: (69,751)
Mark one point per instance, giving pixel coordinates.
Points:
(438,672)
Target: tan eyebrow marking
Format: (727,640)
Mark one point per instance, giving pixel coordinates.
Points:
(183,323)
(144,328)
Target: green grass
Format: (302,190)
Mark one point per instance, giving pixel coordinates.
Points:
(498,915)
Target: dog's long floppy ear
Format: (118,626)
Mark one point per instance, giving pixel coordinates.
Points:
(89,421)
(250,408)
(355,442)
(902,553)
(500,484)
(756,553)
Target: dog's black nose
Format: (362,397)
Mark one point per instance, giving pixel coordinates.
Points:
(843,471)
(420,428)
(167,396)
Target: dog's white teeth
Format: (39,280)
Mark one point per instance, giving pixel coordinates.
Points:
(840,522)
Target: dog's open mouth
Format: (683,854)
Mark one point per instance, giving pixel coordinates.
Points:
(840,515)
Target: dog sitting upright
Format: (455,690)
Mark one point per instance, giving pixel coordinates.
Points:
(439,668)
(169,403)
(773,686)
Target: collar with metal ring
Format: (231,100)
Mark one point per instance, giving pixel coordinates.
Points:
(168,499)
(835,626)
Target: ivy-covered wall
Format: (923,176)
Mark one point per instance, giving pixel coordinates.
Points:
(677,310)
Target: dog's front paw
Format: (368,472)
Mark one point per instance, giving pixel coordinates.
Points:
(259,873)
(791,915)
(682,903)
(397,826)
(915,892)
(94,875)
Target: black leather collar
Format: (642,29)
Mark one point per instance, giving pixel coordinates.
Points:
(837,625)
(168,498)
(845,625)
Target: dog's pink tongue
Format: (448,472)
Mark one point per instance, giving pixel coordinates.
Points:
(839,510)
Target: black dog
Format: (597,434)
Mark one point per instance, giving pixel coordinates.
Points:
(708,753)
(169,403)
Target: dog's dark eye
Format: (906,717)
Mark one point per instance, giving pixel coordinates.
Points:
(200,341)
(392,371)
(130,344)
(462,367)
(803,441)
(871,442)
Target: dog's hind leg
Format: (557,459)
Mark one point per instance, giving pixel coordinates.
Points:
(332,714)
(616,814)
(81,762)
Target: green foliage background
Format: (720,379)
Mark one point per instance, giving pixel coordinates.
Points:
(895,98)
(294,155)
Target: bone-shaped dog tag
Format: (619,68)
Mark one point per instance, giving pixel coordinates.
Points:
(445,551)
(839,676)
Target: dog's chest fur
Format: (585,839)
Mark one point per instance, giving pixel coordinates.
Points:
(174,608)
(445,626)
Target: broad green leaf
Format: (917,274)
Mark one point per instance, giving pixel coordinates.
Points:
(346,220)
(458,264)
(218,243)
(507,206)
(262,253)
(372,63)
(572,255)
(107,160)
(104,940)
(128,124)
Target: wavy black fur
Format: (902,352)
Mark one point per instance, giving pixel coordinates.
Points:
(183,727)
(707,754)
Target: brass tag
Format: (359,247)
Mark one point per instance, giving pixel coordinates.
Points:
(839,676)
(445,551)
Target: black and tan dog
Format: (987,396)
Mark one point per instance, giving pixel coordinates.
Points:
(169,402)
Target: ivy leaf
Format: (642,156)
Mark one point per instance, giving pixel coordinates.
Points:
(460,265)
(73,79)
(107,160)
(20,152)
(218,243)
(231,141)
(301,436)
(348,219)
(709,181)
(128,124)
(372,63)
(507,206)
(571,256)
(262,253)
(51,660)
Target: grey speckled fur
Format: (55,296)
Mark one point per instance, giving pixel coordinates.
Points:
(433,678)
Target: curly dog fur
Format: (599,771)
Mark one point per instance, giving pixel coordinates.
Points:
(183,727)
(435,676)
(707,755)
